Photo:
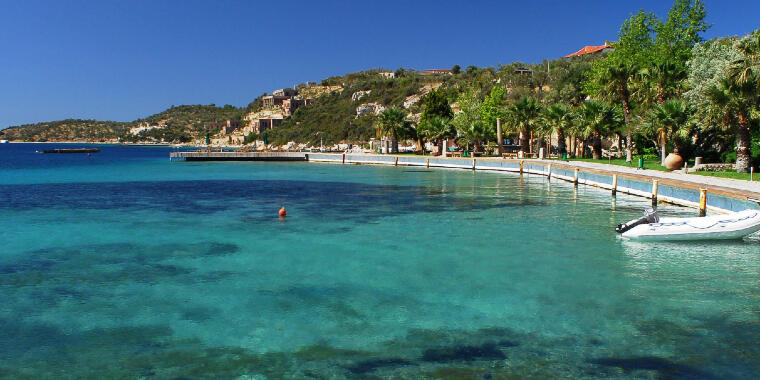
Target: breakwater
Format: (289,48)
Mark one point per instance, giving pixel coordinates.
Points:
(711,195)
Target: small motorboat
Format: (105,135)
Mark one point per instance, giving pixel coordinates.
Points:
(735,225)
(3,141)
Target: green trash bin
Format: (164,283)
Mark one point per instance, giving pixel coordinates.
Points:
(564,156)
(641,162)
(464,153)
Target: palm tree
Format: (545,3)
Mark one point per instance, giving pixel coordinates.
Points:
(473,133)
(599,120)
(731,103)
(616,79)
(746,69)
(559,120)
(436,129)
(662,81)
(671,121)
(393,122)
(524,117)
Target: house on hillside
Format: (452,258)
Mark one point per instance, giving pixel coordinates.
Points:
(436,72)
(592,50)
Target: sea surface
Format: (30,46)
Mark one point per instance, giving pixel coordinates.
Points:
(126,265)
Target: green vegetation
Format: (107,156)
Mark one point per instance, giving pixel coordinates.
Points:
(661,88)
(67,130)
(727,174)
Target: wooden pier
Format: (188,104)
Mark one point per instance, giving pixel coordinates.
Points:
(239,156)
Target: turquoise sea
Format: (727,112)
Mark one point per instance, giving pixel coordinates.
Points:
(127,265)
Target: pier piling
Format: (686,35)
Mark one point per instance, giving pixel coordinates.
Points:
(654,192)
(344,158)
(702,202)
(575,177)
(396,163)
(614,184)
(474,160)
(521,166)
(428,163)
(549,172)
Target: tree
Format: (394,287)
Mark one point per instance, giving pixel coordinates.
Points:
(493,107)
(456,69)
(732,103)
(680,32)
(670,121)
(610,78)
(523,117)
(745,70)
(599,120)
(436,129)
(661,81)
(435,104)
(393,122)
(559,119)
(469,123)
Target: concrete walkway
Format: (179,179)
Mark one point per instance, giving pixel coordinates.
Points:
(726,186)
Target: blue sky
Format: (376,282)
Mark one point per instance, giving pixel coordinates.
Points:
(122,60)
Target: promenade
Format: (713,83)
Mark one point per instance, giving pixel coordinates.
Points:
(675,187)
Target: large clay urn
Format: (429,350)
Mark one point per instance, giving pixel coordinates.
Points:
(673,161)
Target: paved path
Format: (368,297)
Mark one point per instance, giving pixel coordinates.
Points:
(715,184)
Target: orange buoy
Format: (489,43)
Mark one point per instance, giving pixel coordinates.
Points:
(282,211)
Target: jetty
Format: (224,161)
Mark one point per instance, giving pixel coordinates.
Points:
(719,195)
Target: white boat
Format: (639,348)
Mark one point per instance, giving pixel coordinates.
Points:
(3,141)
(735,225)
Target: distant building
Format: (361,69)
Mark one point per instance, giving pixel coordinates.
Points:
(291,104)
(285,92)
(387,74)
(227,126)
(592,49)
(523,70)
(436,72)
(270,101)
(261,125)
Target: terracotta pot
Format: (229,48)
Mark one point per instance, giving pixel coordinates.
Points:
(673,161)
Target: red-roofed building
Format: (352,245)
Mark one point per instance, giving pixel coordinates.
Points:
(591,49)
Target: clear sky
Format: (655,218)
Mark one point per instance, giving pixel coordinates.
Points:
(122,60)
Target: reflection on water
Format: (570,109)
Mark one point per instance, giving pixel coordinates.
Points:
(377,272)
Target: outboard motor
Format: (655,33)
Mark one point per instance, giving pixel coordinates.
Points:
(650,216)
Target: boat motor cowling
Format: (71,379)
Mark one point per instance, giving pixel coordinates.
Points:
(650,216)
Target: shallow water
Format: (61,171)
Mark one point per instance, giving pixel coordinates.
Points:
(126,265)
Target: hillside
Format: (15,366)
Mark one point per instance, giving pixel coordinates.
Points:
(176,124)
(341,109)
(67,130)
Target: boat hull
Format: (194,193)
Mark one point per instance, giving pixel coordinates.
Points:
(720,227)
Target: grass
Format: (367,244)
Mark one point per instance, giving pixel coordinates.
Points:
(653,164)
(727,174)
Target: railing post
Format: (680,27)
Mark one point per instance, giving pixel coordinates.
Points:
(702,202)
(654,192)
(614,184)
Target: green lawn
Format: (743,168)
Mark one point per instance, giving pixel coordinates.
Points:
(653,164)
(727,174)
